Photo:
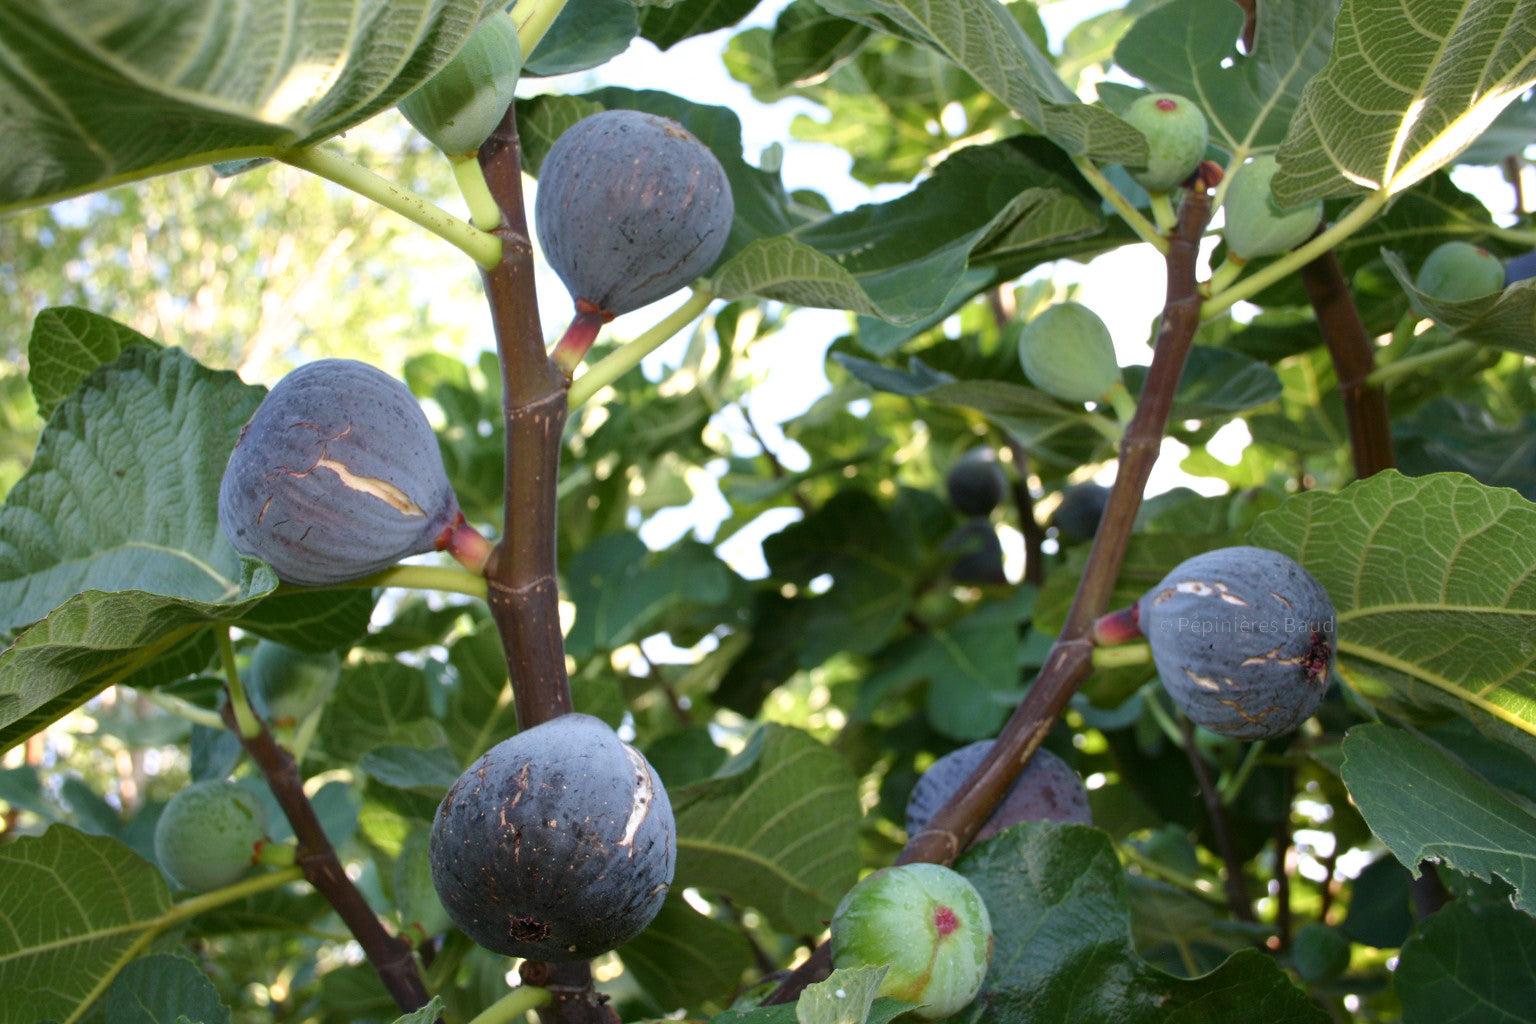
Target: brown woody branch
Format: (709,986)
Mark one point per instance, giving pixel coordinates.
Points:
(1070,659)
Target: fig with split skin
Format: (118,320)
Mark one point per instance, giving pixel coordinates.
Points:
(927,924)
(209,835)
(558,844)
(630,208)
(1176,132)
(337,476)
(1243,639)
(1046,790)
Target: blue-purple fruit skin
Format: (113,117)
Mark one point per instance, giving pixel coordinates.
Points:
(1244,640)
(630,208)
(1082,507)
(558,844)
(337,475)
(976,483)
(1046,790)
(927,924)
(980,559)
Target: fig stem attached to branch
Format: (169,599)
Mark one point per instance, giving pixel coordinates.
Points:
(247,724)
(625,358)
(1144,228)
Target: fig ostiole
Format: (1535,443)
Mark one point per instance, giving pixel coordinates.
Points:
(1244,640)
(1068,353)
(458,108)
(337,476)
(1046,790)
(927,924)
(1176,133)
(1255,224)
(209,835)
(1459,271)
(558,844)
(630,207)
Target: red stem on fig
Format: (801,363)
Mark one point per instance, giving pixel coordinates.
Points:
(1071,658)
(577,340)
(468,546)
(1117,627)
(523,590)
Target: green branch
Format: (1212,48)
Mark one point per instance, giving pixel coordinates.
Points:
(513,1005)
(1144,228)
(426,577)
(480,246)
(1412,364)
(245,717)
(614,365)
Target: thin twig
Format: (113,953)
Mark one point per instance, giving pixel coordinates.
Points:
(1237,887)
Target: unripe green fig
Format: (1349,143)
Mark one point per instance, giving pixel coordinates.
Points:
(1176,134)
(337,475)
(1458,271)
(630,208)
(1243,639)
(1068,353)
(928,924)
(459,107)
(1320,952)
(1256,225)
(286,685)
(207,835)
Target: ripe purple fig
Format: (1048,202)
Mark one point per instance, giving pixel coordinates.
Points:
(927,924)
(1046,790)
(630,208)
(558,844)
(1082,506)
(337,476)
(976,483)
(979,560)
(1243,638)
(1176,133)
(1458,271)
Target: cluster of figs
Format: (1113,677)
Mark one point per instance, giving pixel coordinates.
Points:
(558,843)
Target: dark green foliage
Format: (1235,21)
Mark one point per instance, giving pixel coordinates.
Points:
(336,476)
(558,844)
(630,208)
(285,685)
(1319,951)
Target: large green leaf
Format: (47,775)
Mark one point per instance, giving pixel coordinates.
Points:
(111,555)
(685,959)
(71,906)
(1426,804)
(1061,925)
(67,343)
(1469,964)
(94,95)
(1505,319)
(164,989)
(1189,47)
(480,710)
(1434,580)
(1408,86)
(776,828)
(620,589)
(668,24)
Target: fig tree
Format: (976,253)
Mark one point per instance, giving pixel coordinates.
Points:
(1046,790)
(208,834)
(1082,506)
(1067,351)
(928,924)
(1256,224)
(458,108)
(1458,271)
(976,483)
(287,684)
(337,475)
(1243,639)
(558,844)
(630,208)
(1176,133)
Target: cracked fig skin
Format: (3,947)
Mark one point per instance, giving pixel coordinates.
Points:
(630,207)
(558,844)
(337,476)
(1243,638)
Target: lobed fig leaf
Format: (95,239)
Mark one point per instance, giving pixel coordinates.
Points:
(630,208)
(337,475)
(1458,271)
(458,108)
(1256,225)
(1177,134)
(976,483)
(415,897)
(1067,351)
(1243,639)
(558,844)
(207,835)
(927,924)
(1046,790)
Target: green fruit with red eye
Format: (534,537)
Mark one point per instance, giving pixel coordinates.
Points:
(1458,271)
(1176,133)
(927,924)
(1256,224)
(207,835)
(459,107)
